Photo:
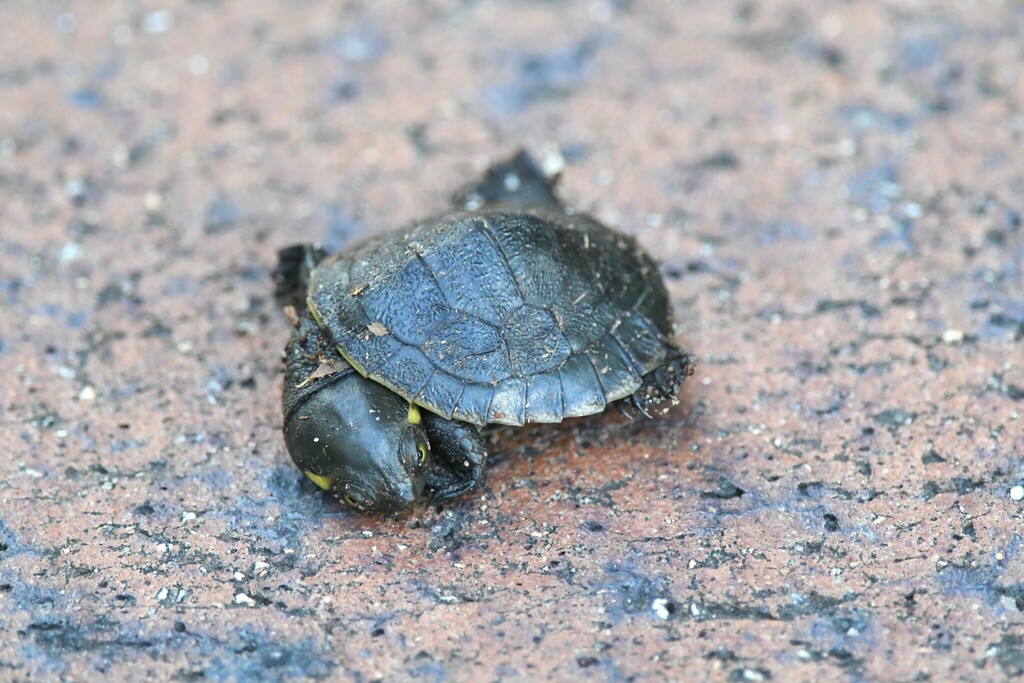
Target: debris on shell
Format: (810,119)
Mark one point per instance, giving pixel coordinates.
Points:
(377,328)
(327,367)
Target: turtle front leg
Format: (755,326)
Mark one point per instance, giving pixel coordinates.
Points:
(459,457)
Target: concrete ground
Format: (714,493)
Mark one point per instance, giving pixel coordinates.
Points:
(835,191)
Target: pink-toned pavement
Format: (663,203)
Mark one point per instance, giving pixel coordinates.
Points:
(836,194)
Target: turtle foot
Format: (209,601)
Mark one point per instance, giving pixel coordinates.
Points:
(517,181)
(660,386)
(459,458)
(294,264)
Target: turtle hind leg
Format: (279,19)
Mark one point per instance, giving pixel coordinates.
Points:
(660,385)
(294,264)
(517,181)
(459,457)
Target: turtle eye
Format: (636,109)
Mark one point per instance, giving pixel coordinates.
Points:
(355,497)
(413,449)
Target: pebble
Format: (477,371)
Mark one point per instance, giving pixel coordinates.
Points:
(76,189)
(1017,493)
(69,252)
(912,210)
(87,394)
(243,599)
(153,201)
(953,336)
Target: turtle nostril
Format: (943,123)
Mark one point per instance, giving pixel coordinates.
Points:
(409,495)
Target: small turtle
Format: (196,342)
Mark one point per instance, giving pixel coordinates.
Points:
(510,309)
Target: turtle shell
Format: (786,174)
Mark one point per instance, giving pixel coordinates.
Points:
(497,316)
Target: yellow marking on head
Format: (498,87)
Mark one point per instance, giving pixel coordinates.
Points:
(323,482)
(414,415)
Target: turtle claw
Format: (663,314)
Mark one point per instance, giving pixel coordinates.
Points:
(640,407)
(443,492)
(660,386)
(454,490)
(459,455)
(630,406)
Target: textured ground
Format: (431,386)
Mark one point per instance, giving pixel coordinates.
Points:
(834,189)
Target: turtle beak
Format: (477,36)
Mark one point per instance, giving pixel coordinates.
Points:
(408,495)
(415,492)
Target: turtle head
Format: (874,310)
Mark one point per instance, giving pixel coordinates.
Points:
(362,443)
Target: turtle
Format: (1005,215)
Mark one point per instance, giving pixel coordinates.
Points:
(510,308)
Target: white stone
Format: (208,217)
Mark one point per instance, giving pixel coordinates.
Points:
(953,336)
(243,599)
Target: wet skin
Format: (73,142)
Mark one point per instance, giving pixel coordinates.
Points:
(371,449)
(362,443)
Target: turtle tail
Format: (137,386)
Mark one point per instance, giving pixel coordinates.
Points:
(517,181)
(294,264)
